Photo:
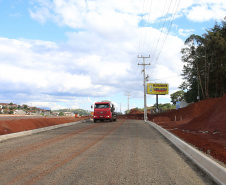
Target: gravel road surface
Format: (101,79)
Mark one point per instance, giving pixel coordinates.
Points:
(122,152)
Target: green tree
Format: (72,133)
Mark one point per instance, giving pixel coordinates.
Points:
(177,96)
(204,68)
(127,111)
(61,114)
(163,106)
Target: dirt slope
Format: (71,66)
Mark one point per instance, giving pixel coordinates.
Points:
(202,124)
(213,120)
(12,126)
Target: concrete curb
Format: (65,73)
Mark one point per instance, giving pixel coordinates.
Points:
(30,132)
(216,171)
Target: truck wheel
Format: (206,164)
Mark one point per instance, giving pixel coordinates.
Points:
(114,119)
(111,120)
(94,120)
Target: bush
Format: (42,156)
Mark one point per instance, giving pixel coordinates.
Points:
(61,114)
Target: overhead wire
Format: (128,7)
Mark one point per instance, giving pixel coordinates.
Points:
(142,26)
(132,77)
(170,25)
(158,42)
(166,35)
(134,84)
(162,28)
(154,39)
(148,20)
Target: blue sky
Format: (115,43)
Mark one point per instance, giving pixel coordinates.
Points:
(69,54)
(16,23)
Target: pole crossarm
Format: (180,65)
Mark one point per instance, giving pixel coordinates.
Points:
(145,104)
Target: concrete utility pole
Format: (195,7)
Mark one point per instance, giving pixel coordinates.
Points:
(128,94)
(145,104)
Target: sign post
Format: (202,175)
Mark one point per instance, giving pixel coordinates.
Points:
(157,89)
(157,104)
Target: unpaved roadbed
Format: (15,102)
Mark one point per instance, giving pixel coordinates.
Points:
(122,152)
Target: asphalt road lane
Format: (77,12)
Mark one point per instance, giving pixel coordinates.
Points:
(122,152)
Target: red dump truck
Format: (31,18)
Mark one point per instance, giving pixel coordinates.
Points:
(104,110)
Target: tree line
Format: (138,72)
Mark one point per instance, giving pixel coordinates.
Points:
(204,70)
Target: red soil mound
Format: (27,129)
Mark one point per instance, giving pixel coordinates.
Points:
(202,124)
(191,111)
(12,126)
(213,120)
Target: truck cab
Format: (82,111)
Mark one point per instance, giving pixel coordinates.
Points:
(104,111)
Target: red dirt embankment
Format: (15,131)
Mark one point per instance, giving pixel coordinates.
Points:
(18,125)
(202,124)
(207,131)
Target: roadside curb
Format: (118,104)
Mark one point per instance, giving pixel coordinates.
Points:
(213,169)
(34,131)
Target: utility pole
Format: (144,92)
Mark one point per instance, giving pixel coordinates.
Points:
(145,101)
(128,94)
(120,107)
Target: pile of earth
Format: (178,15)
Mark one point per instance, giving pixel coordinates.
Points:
(207,131)
(135,111)
(18,125)
(202,124)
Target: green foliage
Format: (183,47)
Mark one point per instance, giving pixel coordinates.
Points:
(204,70)
(177,96)
(25,106)
(11,112)
(127,111)
(81,112)
(164,106)
(11,108)
(4,107)
(61,114)
(11,103)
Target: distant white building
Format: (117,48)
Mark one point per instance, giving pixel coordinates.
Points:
(46,112)
(55,113)
(181,104)
(69,114)
(19,112)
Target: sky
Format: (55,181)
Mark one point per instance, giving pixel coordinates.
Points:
(70,54)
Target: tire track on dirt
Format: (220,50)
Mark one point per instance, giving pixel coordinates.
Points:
(35,146)
(40,172)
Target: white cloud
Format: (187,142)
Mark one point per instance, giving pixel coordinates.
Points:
(207,10)
(185,32)
(99,57)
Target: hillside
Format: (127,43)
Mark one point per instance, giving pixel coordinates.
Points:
(212,120)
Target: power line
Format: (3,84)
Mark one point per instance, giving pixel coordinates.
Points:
(169,27)
(158,41)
